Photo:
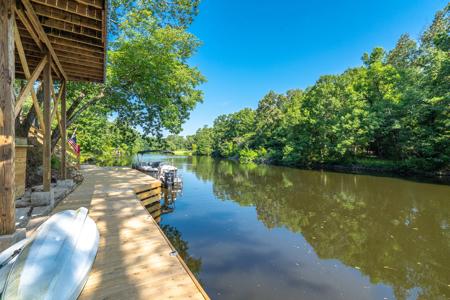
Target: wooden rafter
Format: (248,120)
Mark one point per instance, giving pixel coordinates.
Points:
(29,28)
(73,31)
(65,55)
(76,8)
(83,77)
(93,3)
(69,67)
(46,149)
(59,14)
(61,41)
(59,35)
(28,87)
(25,68)
(42,35)
(62,127)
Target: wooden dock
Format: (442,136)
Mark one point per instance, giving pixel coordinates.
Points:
(134,259)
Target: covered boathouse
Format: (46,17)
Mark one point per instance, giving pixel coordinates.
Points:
(46,43)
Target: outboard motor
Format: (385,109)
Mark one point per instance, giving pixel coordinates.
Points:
(169,178)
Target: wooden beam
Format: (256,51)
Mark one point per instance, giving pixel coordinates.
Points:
(80,60)
(29,86)
(72,77)
(46,153)
(64,52)
(26,70)
(74,8)
(96,4)
(78,72)
(59,40)
(7,105)
(83,65)
(74,29)
(62,125)
(61,15)
(94,42)
(71,67)
(42,35)
(29,28)
(105,37)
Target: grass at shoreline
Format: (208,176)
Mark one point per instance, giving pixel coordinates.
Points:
(182,152)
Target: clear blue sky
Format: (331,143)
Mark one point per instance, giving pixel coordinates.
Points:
(253,46)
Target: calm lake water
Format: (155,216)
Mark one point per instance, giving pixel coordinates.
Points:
(267,232)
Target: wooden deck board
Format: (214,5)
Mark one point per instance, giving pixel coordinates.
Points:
(133,260)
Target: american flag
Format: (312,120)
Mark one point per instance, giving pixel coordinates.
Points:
(73,143)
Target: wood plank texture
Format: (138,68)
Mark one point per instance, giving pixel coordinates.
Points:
(20,169)
(74,31)
(62,126)
(37,26)
(29,86)
(133,261)
(46,153)
(7,103)
(23,61)
(148,194)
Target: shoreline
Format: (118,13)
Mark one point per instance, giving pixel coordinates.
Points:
(428,177)
(438,177)
(384,168)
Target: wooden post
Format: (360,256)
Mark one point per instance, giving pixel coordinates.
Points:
(7,118)
(63,132)
(46,161)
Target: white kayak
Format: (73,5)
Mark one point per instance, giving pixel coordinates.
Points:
(55,262)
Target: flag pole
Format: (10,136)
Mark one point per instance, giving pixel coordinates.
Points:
(78,154)
(76,148)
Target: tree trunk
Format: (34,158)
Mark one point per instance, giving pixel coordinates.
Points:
(23,128)
(72,115)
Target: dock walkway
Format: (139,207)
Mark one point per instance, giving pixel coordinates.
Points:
(133,260)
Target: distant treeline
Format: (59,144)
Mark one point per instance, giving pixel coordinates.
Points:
(395,107)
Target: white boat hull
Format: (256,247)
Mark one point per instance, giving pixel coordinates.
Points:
(55,264)
(7,259)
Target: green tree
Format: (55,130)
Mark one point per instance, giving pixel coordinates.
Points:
(175,142)
(203,141)
(395,107)
(149,85)
(233,132)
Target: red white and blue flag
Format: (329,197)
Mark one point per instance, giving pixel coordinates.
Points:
(73,143)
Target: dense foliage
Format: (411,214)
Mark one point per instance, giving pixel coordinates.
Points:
(150,87)
(395,107)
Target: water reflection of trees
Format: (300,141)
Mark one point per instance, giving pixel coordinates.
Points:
(174,235)
(182,248)
(396,232)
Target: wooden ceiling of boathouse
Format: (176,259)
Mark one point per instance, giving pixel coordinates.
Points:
(76,31)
